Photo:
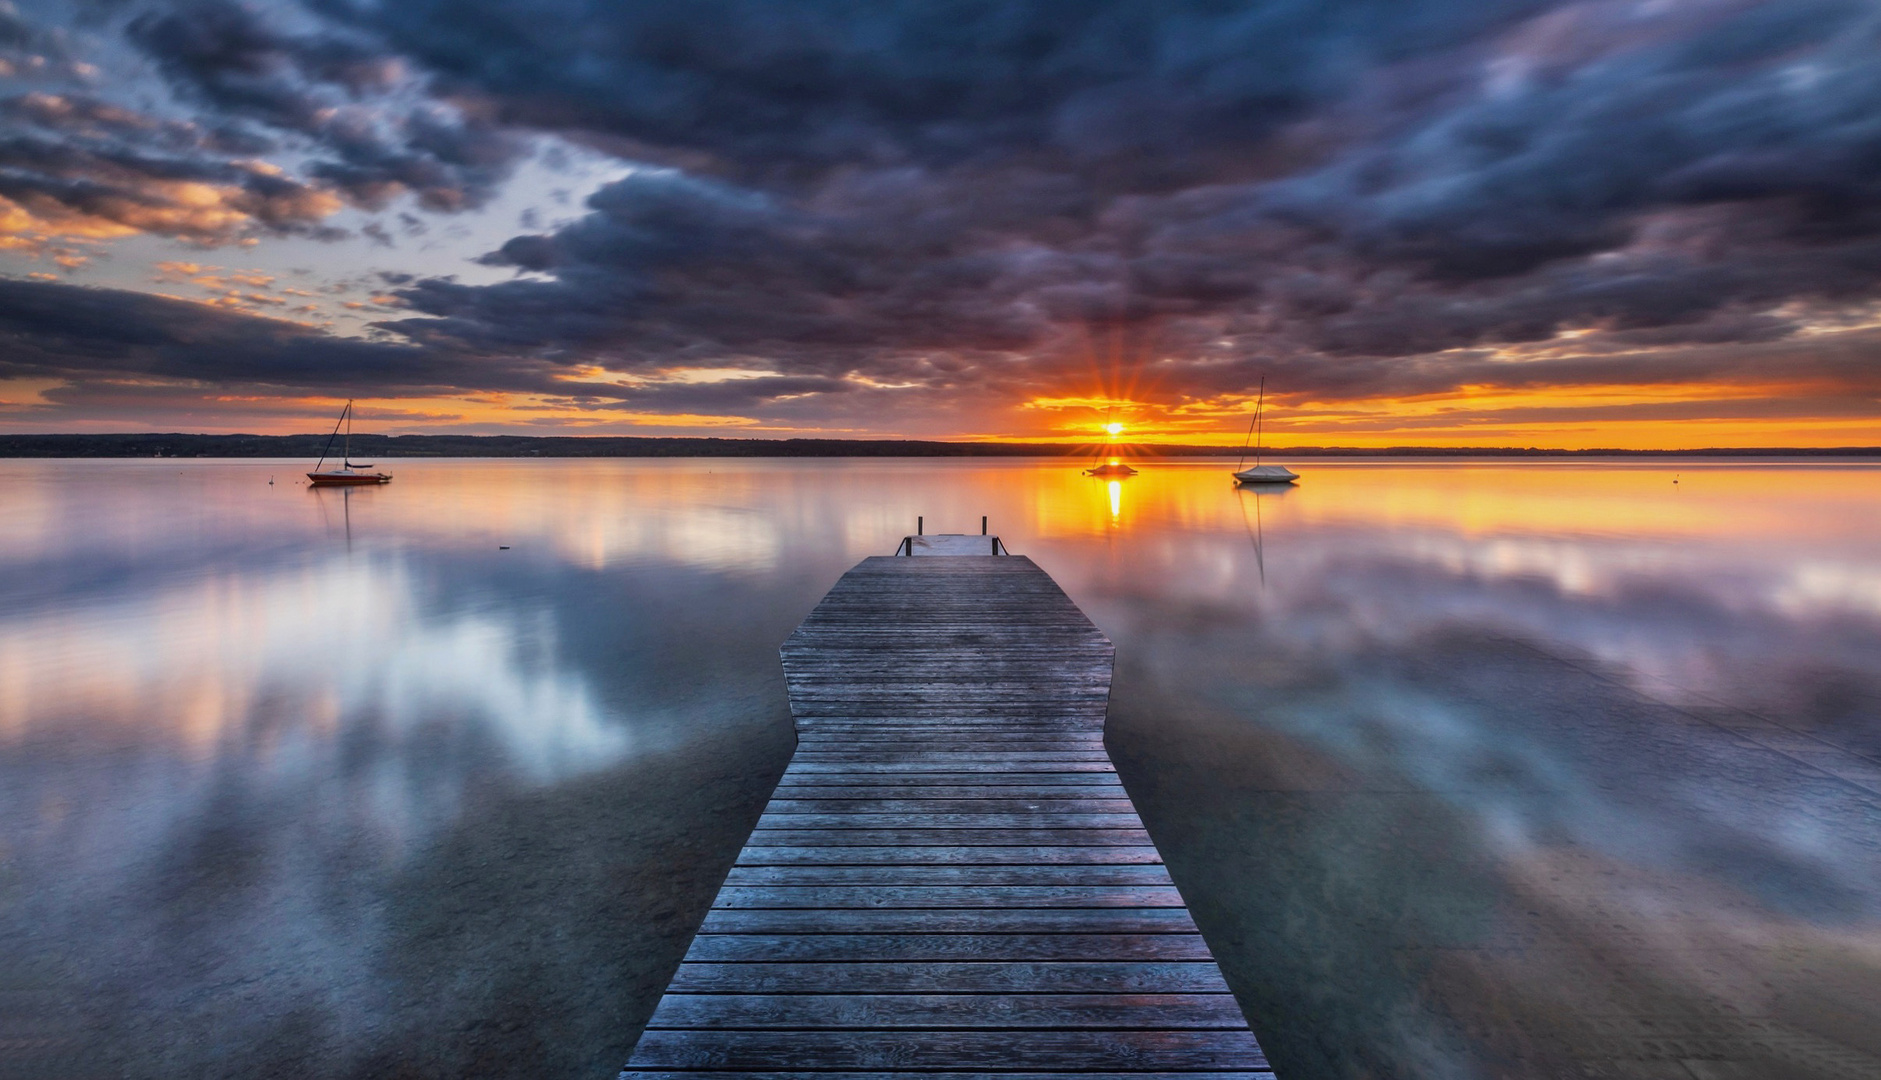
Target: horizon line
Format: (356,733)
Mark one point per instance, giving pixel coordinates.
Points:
(22,445)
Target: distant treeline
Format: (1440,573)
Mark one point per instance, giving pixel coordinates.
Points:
(366,447)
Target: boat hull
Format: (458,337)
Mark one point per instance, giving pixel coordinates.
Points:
(348,479)
(1266,474)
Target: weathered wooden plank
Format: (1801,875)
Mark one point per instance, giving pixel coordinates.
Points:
(945,763)
(1084,717)
(951,855)
(956,744)
(875,1012)
(879,1074)
(954,740)
(893,657)
(1041,819)
(994,633)
(875,632)
(937,756)
(983,742)
(979,781)
(980,773)
(636,1073)
(832,795)
(916,732)
(926,757)
(1057,718)
(928,977)
(941,691)
(839,788)
(1005,948)
(765,837)
(735,897)
(1028,804)
(1066,720)
(901,726)
(944,686)
(897,705)
(991,1050)
(952,920)
(1030,874)
(951,694)
(890,672)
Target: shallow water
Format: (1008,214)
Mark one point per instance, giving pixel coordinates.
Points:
(1467,769)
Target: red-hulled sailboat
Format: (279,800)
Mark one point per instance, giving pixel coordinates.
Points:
(349,472)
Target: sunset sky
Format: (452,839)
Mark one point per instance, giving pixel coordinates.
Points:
(1620,223)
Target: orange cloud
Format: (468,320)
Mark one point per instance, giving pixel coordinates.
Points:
(120,202)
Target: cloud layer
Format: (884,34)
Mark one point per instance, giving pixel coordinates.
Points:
(884,213)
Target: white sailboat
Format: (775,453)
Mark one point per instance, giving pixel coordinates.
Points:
(1260,474)
(348,473)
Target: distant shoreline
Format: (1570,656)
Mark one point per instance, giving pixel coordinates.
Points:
(566,446)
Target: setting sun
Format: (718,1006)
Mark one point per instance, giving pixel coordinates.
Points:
(1114,429)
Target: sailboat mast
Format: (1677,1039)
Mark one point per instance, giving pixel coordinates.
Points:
(1251,427)
(347,454)
(1242,462)
(1259,405)
(328,449)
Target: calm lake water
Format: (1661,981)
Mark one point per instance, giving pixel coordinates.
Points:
(1467,769)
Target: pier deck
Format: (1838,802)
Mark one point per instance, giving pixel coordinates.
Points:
(949,879)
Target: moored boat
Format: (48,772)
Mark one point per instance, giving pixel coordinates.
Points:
(349,473)
(1112,468)
(348,476)
(1260,474)
(1266,474)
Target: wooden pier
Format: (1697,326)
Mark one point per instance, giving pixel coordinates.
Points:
(949,880)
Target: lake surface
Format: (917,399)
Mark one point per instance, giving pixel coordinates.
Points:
(1467,769)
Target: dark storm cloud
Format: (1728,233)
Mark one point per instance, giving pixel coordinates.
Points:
(67,331)
(669,267)
(1339,181)
(1156,92)
(334,88)
(1001,198)
(110,342)
(1720,104)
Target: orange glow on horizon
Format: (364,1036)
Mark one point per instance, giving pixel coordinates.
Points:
(1671,417)
(1622,417)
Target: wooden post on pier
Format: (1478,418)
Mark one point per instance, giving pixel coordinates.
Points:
(949,878)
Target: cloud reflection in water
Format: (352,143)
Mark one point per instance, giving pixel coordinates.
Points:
(1472,786)
(289,778)
(335,644)
(1467,769)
